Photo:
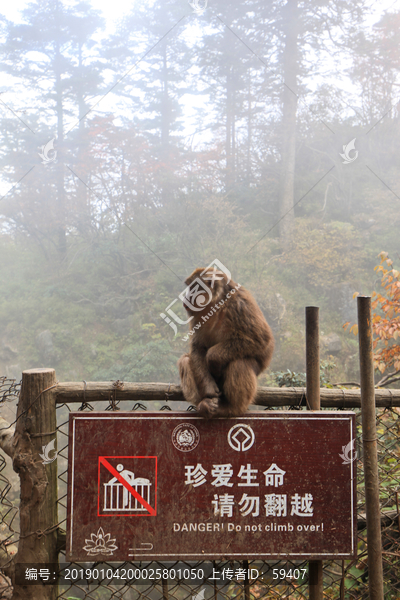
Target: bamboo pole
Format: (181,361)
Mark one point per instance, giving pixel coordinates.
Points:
(35,427)
(370,452)
(93,391)
(315,585)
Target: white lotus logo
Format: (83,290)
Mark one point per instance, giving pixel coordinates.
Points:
(44,154)
(197,6)
(46,452)
(346,453)
(100,543)
(347,149)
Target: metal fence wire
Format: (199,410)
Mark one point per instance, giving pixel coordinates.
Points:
(341,579)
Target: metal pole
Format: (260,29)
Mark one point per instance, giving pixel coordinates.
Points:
(165,593)
(246,582)
(370,452)
(215,581)
(315,586)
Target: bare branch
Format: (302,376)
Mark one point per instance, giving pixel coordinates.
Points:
(388,382)
(385,380)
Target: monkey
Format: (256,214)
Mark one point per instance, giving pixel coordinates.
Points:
(231,345)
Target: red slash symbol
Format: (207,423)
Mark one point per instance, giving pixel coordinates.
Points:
(126,485)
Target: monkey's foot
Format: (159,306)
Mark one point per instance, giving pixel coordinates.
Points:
(208,408)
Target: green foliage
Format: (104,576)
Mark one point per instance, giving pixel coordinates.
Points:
(145,207)
(323,254)
(325,368)
(154,361)
(290,378)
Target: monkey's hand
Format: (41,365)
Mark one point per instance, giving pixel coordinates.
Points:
(208,408)
(210,390)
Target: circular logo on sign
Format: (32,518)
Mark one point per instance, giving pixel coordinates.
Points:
(241,437)
(185,437)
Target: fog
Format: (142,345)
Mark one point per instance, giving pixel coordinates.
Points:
(142,140)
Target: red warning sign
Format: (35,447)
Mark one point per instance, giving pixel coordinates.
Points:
(267,485)
(127,486)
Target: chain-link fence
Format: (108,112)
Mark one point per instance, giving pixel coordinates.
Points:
(9,484)
(342,579)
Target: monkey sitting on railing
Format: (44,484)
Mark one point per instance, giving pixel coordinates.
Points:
(231,343)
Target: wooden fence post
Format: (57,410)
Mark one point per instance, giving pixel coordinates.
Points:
(35,427)
(370,449)
(315,574)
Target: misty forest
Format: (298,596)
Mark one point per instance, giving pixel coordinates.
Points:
(262,134)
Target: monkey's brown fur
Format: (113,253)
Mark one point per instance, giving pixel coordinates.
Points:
(232,343)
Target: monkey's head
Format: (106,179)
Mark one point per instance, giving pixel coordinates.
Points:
(206,286)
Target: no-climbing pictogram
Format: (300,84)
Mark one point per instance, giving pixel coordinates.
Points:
(127,486)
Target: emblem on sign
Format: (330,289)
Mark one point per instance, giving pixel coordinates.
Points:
(123,490)
(241,437)
(185,437)
(100,543)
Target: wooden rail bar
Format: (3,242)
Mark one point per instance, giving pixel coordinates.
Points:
(266,396)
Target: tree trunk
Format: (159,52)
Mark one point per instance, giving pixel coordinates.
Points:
(230,141)
(83,208)
(61,217)
(166,118)
(165,108)
(289,108)
(249,131)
